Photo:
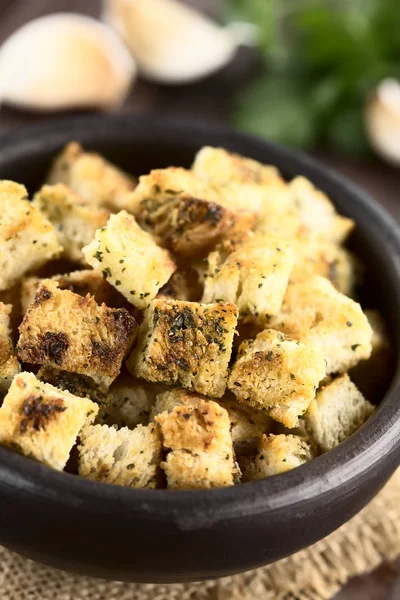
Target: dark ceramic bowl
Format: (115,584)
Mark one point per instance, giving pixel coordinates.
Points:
(169,536)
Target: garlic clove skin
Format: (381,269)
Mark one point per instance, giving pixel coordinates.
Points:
(172,43)
(65,61)
(382,118)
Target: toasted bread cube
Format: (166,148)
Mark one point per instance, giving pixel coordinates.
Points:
(182,212)
(315,312)
(82,282)
(317,213)
(130,259)
(75,334)
(9,365)
(77,385)
(120,456)
(27,239)
(74,219)
(277,454)
(184,284)
(167,400)
(199,438)
(252,273)
(242,182)
(130,402)
(328,260)
(91,176)
(338,410)
(185,343)
(278,375)
(41,421)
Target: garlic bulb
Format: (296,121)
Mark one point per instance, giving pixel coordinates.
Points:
(382,115)
(171,42)
(65,61)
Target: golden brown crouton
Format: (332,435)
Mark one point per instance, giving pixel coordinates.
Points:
(181,211)
(242,182)
(75,334)
(74,219)
(277,454)
(373,376)
(130,259)
(201,446)
(129,402)
(184,284)
(82,282)
(91,176)
(78,385)
(276,374)
(120,456)
(9,365)
(317,213)
(186,343)
(337,411)
(27,239)
(42,421)
(315,312)
(252,273)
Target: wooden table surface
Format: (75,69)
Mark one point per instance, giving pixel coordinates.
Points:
(210,101)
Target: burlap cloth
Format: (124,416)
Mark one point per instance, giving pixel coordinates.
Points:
(316,573)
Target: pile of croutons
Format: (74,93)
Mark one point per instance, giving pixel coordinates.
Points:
(193,329)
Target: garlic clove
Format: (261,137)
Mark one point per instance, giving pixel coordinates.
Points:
(171,42)
(65,61)
(382,117)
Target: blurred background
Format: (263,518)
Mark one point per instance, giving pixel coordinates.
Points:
(319,75)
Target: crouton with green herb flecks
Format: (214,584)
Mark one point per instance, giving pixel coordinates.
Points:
(41,421)
(27,238)
(315,312)
(200,446)
(253,273)
(129,259)
(73,333)
(185,343)
(9,365)
(278,375)
(317,213)
(125,457)
(181,211)
(241,182)
(338,410)
(74,219)
(91,176)
(78,385)
(82,282)
(277,454)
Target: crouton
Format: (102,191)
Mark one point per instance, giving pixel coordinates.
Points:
(74,219)
(9,365)
(186,343)
(338,410)
(27,239)
(75,334)
(91,176)
(77,385)
(41,421)
(184,284)
(241,182)
(130,259)
(277,454)
(317,213)
(278,375)
(373,376)
(170,398)
(82,282)
(328,260)
(120,456)
(315,312)
(252,273)
(182,212)
(129,402)
(201,453)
